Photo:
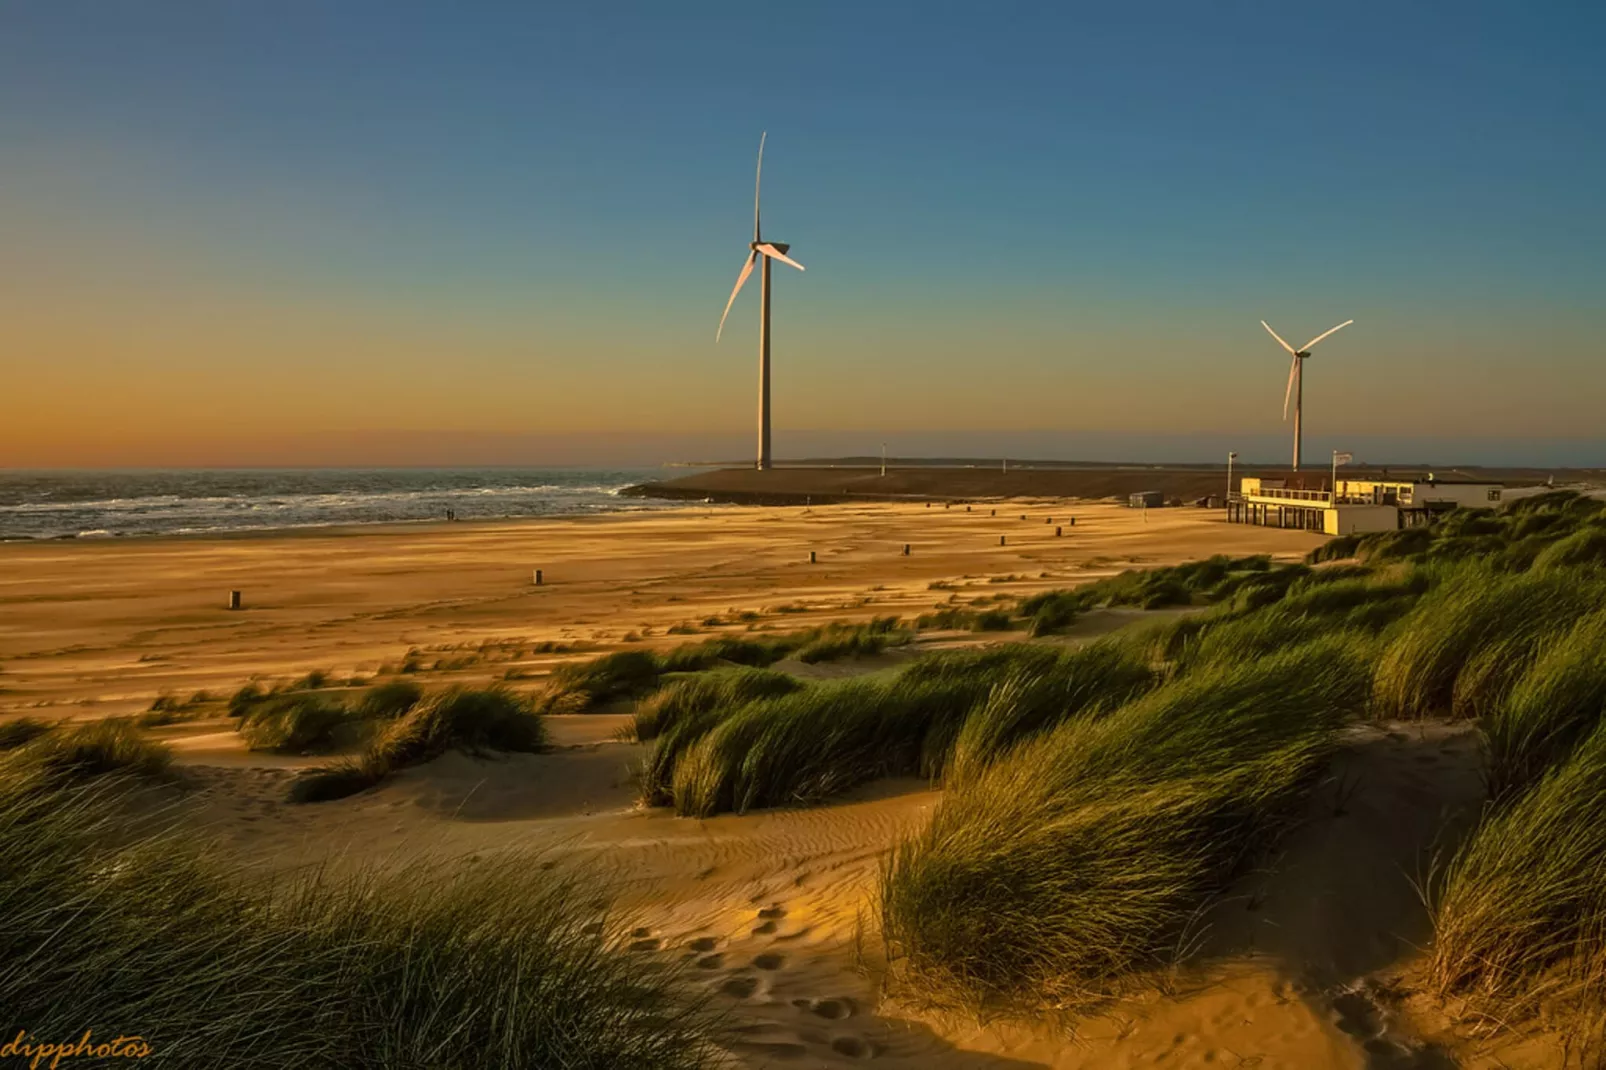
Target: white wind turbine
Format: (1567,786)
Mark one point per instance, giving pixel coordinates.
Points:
(757,248)
(1296,378)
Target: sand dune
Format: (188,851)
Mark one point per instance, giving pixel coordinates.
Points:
(1305,965)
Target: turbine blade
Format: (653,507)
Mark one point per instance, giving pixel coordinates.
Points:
(1324,334)
(775,254)
(1293,373)
(758,177)
(747,269)
(1277,336)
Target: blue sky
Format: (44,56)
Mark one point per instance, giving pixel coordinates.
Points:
(524,218)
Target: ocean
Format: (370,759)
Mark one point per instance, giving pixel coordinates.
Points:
(110,504)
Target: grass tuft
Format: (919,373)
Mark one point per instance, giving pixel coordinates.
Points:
(584,685)
(14,734)
(723,689)
(834,642)
(1079,857)
(297,724)
(498,964)
(1473,608)
(95,748)
(1555,705)
(485,719)
(1520,913)
(389,700)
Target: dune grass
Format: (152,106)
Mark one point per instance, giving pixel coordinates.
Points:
(1081,856)
(499,964)
(15,733)
(815,742)
(1194,583)
(1474,607)
(1584,547)
(297,723)
(1558,702)
(727,649)
(1338,548)
(582,685)
(244,698)
(476,720)
(389,700)
(1520,912)
(464,718)
(833,642)
(1026,702)
(958,619)
(1489,674)
(695,694)
(93,749)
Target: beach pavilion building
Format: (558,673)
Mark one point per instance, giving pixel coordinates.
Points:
(1356,505)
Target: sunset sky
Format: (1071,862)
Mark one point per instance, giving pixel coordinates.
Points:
(361,232)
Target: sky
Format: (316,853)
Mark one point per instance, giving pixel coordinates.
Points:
(432,233)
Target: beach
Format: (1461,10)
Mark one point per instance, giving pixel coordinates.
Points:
(96,627)
(771,913)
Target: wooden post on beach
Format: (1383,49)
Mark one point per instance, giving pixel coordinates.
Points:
(905,549)
(1058,532)
(1048,520)
(995,512)
(811,557)
(234,599)
(1000,540)
(1023,516)
(1072,521)
(538,577)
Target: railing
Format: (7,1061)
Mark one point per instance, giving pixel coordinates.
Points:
(1323,497)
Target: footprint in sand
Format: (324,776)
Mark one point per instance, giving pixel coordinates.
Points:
(711,962)
(703,943)
(769,961)
(827,1008)
(740,987)
(644,940)
(854,1048)
(764,928)
(771,913)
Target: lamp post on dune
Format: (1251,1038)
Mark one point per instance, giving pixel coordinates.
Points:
(1232,455)
(883,460)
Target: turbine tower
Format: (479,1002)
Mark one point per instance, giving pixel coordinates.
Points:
(757,248)
(1296,378)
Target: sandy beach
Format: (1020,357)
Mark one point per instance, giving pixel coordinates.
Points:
(93,627)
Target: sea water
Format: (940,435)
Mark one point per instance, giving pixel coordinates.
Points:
(106,504)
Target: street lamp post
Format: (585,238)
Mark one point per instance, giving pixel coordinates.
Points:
(1232,455)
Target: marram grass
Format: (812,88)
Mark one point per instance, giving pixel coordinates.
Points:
(498,964)
(1519,915)
(1472,609)
(1078,858)
(1558,702)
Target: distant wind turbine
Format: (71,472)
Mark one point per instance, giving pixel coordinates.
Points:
(1296,378)
(757,248)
